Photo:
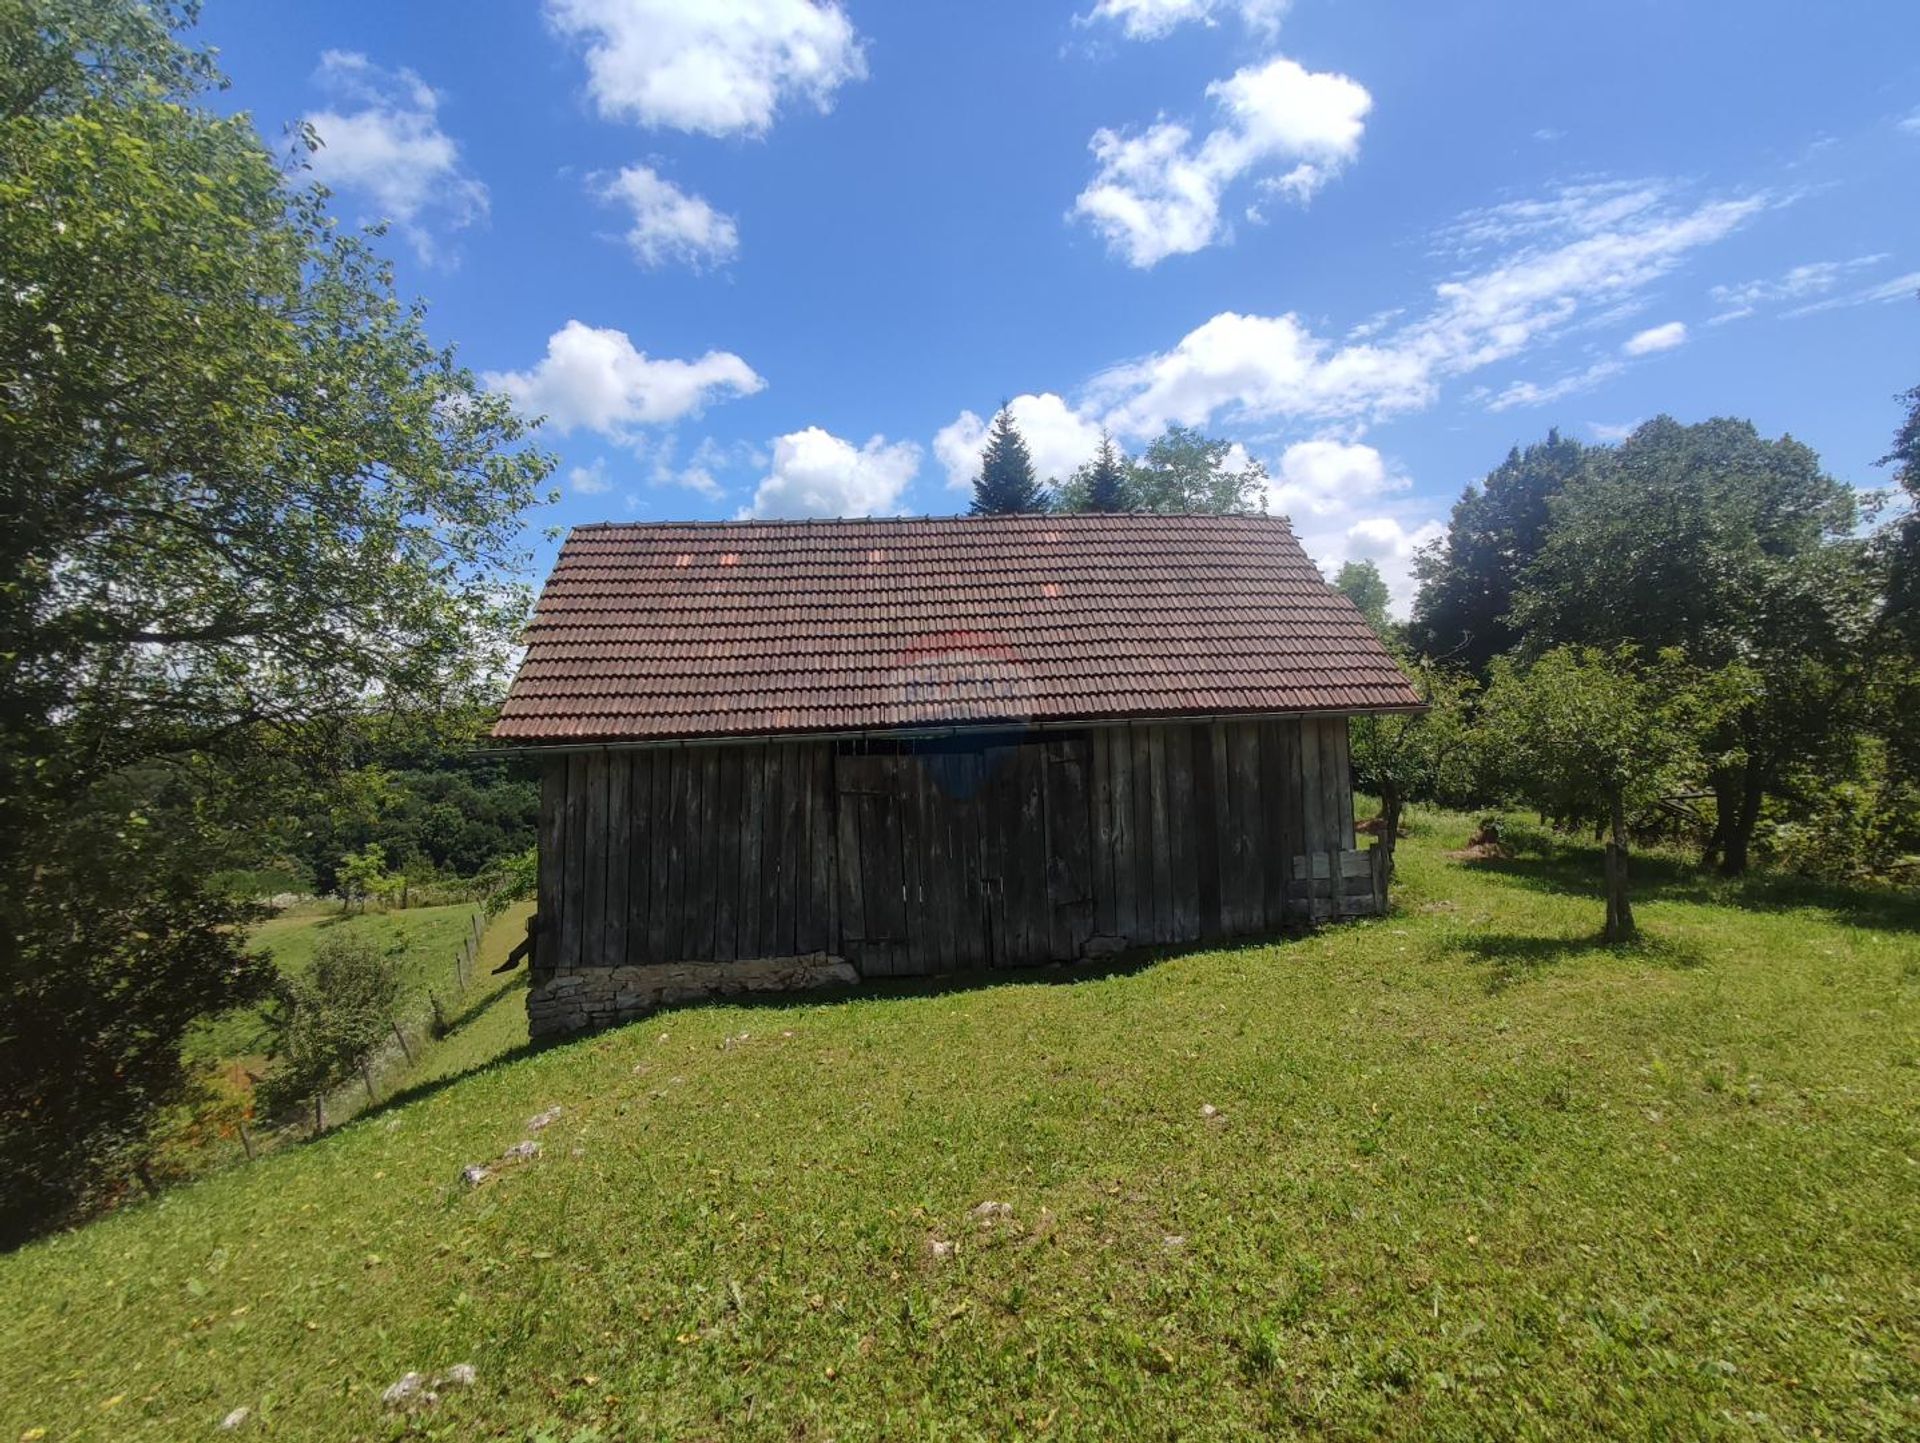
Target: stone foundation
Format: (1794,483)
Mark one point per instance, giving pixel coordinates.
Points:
(587,998)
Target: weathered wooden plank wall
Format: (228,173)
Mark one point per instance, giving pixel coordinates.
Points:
(938,858)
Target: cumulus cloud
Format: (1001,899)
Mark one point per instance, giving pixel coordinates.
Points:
(1326,478)
(816,473)
(595,378)
(381,139)
(1059,438)
(668,224)
(1656,338)
(1154,19)
(1581,259)
(1389,544)
(713,67)
(590,480)
(1159,192)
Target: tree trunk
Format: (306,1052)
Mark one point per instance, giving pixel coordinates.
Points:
(1620,927)
(1739,825)
(1722,785)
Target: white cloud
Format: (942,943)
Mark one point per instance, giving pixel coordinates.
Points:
(1154,19)
(1656,338)
(382,139)
(1610,432)
(1900,288)
(590,480)
(1159,193)
(714,67)
(1582,257)
(1815,278)
(1389,544)
(594,377)
(815,473)
(1058,437)
(668,224)
(1911,124)
(1318,480)
(1533,393)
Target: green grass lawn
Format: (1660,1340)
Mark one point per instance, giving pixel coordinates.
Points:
(423,941)
(1470,1176)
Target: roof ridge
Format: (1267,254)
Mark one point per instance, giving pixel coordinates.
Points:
(1072,518)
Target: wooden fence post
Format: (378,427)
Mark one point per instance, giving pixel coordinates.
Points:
(401,1038)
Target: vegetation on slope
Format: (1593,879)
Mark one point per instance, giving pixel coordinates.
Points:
(1469,1175)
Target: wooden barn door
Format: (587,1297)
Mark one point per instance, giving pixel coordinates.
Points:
(1037,851)
(911,901)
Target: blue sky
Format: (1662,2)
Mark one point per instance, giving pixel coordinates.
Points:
(781,257)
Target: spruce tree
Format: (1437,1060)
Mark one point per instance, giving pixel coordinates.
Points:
(1006,485)
(1106,479)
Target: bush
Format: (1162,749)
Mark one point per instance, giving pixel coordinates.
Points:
(329,1023)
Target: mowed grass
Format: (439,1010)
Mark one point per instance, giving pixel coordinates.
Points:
(1470,1176)
(422,940)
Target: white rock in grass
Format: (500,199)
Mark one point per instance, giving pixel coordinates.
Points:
(410,1391)
(234,1419)
(940,1247)
(987,1212)
(520,1151)
(460,1375)
(1173,1242)
(473,1174)
(1209,1111)
(545,1119)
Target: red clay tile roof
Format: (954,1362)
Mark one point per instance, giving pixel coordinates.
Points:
(766,628)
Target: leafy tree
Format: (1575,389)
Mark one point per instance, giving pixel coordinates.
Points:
(1469,578)
(330,1022)
(1417,756)
(1903,536)
(362,874)
(1006,484)
(1099,484)
(1740,551)
(1362,584)
(243,500)
(1588,735)
(1183,471)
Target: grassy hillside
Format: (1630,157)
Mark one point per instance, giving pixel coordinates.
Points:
(1465,1175)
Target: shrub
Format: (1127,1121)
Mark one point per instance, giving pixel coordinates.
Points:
(329,1023)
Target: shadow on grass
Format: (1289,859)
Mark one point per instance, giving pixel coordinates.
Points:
(420,1091)
(1512,958)
(1573,868)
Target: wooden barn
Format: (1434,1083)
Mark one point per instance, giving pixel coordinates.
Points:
(777,754)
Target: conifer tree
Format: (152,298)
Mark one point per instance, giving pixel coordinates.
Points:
(1106,479)
(1006,485)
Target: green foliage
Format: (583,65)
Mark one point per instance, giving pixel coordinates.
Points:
(1742,552)
(243,499)
(362,875)
(1469,580)
(1902,537)
(1580,729)
(114,951)
(331,1019)
(1006,484)
(1362,584)
(1418,756)
(1576,1157)
(508,879)
(1100,484)
(1184,471)
(1590,736)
